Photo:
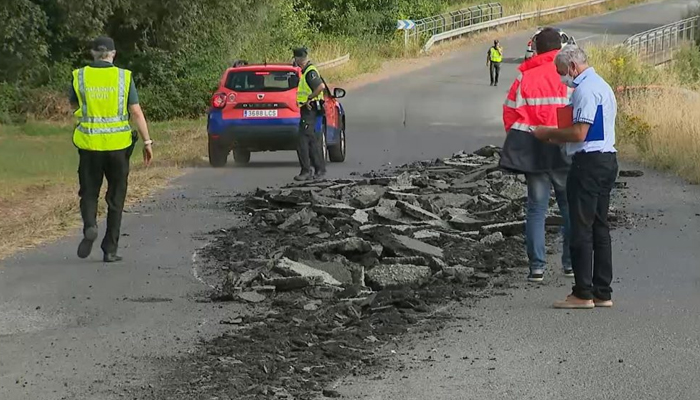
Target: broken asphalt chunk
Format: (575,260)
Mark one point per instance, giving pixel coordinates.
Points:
(291,268)
(391,276)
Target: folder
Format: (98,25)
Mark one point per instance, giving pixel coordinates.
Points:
(565,117)
(596,132)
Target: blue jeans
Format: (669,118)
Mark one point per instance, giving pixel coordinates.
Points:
(539,186)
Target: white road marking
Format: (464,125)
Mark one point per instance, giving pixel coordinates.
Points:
(586,38)
(195,273)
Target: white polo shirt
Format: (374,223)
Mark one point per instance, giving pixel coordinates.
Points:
(594,103)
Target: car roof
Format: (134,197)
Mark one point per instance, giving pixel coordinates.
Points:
(264,67)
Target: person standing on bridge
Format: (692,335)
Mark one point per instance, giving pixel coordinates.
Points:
(494,57)
(310,100)
(105,97)
(533,101)
(590,141)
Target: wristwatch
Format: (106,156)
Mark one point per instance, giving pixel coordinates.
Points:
(147,142)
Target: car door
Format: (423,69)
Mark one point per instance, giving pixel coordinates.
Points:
(331,112)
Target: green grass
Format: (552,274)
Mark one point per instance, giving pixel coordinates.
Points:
(39,154)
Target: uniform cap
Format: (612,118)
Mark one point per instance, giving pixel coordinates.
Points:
(103,43)
(301,52)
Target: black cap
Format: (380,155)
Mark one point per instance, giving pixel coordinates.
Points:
(103,43)
(301,52)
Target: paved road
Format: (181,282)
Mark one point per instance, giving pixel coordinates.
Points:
(83,330)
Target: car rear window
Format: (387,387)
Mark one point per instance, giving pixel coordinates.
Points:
(261,81)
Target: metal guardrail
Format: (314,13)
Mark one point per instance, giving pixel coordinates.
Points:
(335,63)
(446,22)
(506,20)
(657,46)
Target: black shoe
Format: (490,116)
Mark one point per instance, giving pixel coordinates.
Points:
(495,84)
(535,277)
(569,273)
(85,246)
(491,84)
(303,177)
(111,258)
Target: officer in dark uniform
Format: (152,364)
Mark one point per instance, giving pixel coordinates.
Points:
(310,101)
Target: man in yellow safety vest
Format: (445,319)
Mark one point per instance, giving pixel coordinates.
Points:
(106,98)
(310,101)
(493,61)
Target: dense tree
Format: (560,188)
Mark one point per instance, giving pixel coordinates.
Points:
(176,48)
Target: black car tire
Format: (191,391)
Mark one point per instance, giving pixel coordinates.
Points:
(217,155)
(336,153)
(241,156)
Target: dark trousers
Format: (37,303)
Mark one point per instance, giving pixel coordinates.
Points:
(591,179)
(309,149)
(495,72)
(113,165)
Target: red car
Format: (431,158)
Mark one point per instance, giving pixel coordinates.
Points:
(255,109)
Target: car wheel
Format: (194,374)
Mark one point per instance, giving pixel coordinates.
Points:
(241,156)
(217,154)
(337,152)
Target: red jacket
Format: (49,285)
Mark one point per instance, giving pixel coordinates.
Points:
(535,95)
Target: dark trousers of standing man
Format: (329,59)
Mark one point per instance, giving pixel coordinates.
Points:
(495,72)
(94,166)
(309,148)
(591,179)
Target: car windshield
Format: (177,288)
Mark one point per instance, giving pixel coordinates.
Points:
(261,81)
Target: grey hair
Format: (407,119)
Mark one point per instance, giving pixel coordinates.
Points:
(571,54)
(102,54)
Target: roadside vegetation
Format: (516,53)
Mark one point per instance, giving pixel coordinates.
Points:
(659,108)
(177,50)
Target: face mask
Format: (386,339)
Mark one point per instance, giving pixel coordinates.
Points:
(568,81)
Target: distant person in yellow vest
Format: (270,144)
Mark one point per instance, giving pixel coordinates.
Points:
(310,100)
(106,98)
(493,61)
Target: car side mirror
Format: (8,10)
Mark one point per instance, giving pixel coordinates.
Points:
(338,93)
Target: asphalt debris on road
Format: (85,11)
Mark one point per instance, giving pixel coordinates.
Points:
(336,269)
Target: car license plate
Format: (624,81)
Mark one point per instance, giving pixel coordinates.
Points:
(260,113)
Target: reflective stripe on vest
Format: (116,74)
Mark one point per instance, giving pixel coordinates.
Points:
(103,116)
(304,90)
(496,55)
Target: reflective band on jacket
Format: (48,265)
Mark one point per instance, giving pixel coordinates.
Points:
(304,90)
(535,96)
(496,55)
(103,117)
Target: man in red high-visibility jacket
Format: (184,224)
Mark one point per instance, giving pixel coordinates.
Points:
(533,101)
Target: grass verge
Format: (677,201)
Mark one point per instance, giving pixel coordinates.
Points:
(38,169)
(657,126)
(38,163)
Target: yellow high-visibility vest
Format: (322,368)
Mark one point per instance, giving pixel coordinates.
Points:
(304,90)
(103,115)
(496,55)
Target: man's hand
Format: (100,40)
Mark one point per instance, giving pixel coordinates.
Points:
(147,154)
(542,133)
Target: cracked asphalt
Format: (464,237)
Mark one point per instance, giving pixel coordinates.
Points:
(73,329)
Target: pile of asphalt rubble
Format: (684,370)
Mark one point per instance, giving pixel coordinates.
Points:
(336,269)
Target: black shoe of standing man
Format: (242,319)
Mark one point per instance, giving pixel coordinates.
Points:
(85,246)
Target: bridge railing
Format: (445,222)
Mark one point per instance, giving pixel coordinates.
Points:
(430,26)
(657,46)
